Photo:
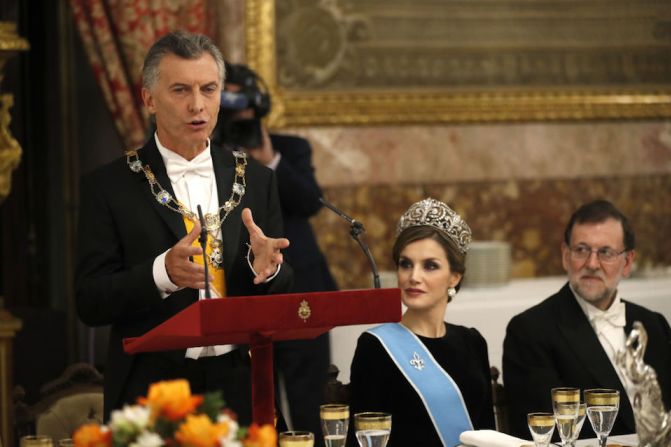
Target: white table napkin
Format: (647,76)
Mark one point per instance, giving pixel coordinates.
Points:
(490,438)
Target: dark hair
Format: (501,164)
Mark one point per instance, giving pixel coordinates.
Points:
(183,44)
(456,258)
(599,211)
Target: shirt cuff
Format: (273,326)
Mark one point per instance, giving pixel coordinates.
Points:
(275,161)
(249,263)
(161,279)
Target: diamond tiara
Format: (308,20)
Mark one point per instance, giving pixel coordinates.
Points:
(434,213)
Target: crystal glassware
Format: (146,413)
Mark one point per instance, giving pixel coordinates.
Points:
(372,428)
(582,413)
(36,441)
(602,407)
(335,419)
(565,405)
(541,426)
(297,439)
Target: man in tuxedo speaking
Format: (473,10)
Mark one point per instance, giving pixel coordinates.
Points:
(139,260)
(571,338)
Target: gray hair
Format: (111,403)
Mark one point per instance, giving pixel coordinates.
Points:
(183,44)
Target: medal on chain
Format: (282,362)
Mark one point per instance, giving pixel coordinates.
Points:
(213,221)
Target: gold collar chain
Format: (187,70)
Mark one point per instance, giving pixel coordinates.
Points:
(213,221)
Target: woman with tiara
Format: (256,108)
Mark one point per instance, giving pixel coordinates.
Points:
(432,376)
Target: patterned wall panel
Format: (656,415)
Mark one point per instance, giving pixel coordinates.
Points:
(530,214)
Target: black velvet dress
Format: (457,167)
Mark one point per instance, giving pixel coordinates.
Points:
(378,385)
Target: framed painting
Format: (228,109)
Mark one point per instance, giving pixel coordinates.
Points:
(430,61)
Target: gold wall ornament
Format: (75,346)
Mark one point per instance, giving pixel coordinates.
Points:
(340,62)
(304,311)
(10,150)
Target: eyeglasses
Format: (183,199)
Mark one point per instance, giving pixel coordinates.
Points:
(604,254)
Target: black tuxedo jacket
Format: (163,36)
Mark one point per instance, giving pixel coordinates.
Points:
(122,228)
(553,344)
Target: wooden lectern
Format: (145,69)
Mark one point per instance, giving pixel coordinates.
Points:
(260,320)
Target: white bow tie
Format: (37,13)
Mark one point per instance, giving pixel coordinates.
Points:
(615,315)
(177,167)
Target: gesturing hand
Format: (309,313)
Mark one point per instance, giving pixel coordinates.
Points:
(181,270)
(266,250)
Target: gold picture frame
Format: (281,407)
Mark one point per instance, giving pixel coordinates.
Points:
(353,105)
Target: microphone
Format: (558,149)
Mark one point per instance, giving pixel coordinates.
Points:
(356,230)
(354,223)
(203,243)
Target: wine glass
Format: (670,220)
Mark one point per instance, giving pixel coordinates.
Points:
(297,439)
(582,412)
(602,406)
(335,418)
(565,404)
(36,441)
(372,428)
(541,426)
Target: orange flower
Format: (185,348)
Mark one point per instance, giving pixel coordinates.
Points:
(199,431)
(264,436)
(91,435)
(171,399)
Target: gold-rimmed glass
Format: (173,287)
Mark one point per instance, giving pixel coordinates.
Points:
(582,413)
(541,426)
(335,419)
(297,439)
(602,407)
(372,428)
(565,405)
(36,441)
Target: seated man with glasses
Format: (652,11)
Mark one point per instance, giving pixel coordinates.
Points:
(571,338)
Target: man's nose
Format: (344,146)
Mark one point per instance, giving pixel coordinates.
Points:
(197,103)
(593,260)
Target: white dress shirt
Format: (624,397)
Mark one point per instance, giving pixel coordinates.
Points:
(609,327)
(194,184)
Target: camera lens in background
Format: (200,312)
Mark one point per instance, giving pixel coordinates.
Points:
(244,133)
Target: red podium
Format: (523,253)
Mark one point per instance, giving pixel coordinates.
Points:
(260,320)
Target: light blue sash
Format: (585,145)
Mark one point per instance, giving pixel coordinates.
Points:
(439,393)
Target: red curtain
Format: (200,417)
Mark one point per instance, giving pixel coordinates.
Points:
(117,34)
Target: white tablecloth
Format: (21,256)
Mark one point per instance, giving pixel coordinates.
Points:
(626,440)
(491,438)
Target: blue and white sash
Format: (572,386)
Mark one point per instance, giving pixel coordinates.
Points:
(437,390)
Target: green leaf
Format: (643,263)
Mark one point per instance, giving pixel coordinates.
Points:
(165,428)
(212,405)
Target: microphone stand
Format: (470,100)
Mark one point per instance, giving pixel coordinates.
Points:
(356,230)
(203,243)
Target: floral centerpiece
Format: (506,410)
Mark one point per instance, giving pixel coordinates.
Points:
(171,416)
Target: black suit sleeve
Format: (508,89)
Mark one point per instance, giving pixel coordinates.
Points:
(273,228)
(108,290)
(528,372)
(298,188)
(262,199)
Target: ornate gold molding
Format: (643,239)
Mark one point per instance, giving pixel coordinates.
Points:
(10,150)
(334,106)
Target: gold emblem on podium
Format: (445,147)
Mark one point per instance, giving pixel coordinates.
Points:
(304,311)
